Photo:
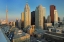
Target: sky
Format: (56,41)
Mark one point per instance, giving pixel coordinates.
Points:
(16,7)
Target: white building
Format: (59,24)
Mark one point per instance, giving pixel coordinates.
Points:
(48,25)
(55,16)
(3,22)
(27,16)
(39,17)
(44,11)
(56,30)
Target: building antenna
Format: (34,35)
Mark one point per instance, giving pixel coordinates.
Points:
(26,1)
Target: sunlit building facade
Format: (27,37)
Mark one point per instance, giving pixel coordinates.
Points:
(39,17)
(55,16)
(27,16)
(52,8)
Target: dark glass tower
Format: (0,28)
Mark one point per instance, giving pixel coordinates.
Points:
(52,8)
(33,18)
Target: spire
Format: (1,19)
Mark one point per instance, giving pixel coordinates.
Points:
(26,1)
(6,9)
(6,15)
(26,6)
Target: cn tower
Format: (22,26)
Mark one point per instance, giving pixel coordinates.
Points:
(6,15)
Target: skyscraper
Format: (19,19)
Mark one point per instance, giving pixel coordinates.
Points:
(55,16)
(22,16)
(6,15)
(33,18)
(19,24)
(27,16)
(48,19)
(52,8)
(58,18)
(44,12)
(16,23)
(22,20)
(39,17)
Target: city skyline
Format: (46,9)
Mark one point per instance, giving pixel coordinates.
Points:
(16,7)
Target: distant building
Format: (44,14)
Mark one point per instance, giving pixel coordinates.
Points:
(44,13)
(33,18)
(16,23)
(19,24)
(48,25)
(39,17)
(55,16)
(59,19)
(48,19)
(22,20)
(6,15)
(3,22)
(12,23)
(22,16)
(52,8)
(63,21)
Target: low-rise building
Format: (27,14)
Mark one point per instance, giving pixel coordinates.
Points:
(31,30)
(20,36)
(48,25)
(56,30)
(39,33)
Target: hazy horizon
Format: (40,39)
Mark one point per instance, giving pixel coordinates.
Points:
(16,7)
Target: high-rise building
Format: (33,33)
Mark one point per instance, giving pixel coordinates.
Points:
(16,23)
(52,8)
(39,17)
(22,16)
(22,20)
(19,24)
(13,24)
(44,13)
(48,19)
(27,16)
(6,15)
(58,18)
(55,16)
(33,18)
